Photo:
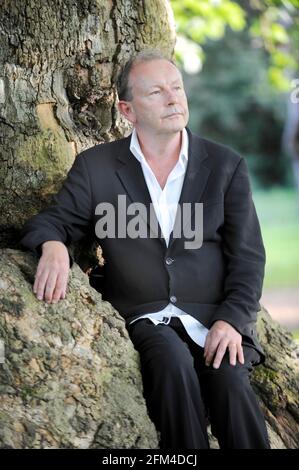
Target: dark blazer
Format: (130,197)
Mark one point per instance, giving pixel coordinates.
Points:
(221,280)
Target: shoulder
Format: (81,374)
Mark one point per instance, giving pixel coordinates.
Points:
(215,152)
(107,152)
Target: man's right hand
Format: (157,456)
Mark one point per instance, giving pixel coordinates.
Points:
(52,272)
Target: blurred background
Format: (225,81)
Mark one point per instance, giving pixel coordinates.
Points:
(240,63)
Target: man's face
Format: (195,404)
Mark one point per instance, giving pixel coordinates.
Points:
(159,104)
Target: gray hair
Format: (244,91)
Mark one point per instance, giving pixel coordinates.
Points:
(124,90)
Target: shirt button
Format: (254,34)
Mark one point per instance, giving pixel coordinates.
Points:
(169,261)
(173,299)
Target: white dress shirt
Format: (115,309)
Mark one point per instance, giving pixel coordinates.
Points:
(165,203)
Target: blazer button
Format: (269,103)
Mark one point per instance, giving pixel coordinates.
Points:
(169,261)
(173,299)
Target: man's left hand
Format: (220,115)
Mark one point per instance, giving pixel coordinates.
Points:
(220,337)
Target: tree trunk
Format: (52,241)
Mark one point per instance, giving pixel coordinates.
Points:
(59,60)
(41,406)
(98,403)
(58,64)
(277,382)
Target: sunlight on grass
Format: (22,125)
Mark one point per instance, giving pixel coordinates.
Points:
(295,334)
(278,212)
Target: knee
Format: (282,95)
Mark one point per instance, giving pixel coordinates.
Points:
(181,363)
(173,362)
(230,379)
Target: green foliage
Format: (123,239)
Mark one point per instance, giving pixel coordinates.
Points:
(247,54)
(199,20)
(231,102)
(274,24)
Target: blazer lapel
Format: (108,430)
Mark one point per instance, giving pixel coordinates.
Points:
(195,180)
(131,176)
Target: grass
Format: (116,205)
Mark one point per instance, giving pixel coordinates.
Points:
(278,212)
(295,334)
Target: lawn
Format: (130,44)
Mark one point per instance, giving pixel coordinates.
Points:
(296,334)
(278,212)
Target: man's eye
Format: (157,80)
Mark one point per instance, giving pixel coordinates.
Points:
(155,92)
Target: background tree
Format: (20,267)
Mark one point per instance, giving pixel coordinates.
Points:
(243,58)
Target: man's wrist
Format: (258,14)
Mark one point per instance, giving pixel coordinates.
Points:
(41,246)
(50,242)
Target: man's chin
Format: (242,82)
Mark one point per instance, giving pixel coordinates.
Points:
(169,132)
(173,127)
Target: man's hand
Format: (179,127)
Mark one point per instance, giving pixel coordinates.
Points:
(221,336)
(52,272)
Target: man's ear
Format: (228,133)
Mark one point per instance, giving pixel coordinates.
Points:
(126,109)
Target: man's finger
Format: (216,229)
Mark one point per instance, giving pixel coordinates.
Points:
(40,290)
(240,354)
(41,284)
(232,353)
(211,350)
(219,355)
(35,285)
(60,286)
(39,276)
(50,286)
(206,346)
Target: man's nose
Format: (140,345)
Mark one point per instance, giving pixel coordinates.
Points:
(171,96)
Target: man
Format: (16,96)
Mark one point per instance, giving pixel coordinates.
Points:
(190,310)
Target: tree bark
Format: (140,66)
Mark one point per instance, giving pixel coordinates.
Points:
(59,60)
(58,64)
(99,403)
(277,382)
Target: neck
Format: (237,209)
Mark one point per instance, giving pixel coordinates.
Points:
(161,148)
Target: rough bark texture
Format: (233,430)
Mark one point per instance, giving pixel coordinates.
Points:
(277,382)
(71,376)
(58,64)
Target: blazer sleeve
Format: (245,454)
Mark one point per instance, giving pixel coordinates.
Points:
(244,254)
(68,216)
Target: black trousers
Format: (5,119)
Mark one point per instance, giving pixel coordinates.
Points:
(183,394)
